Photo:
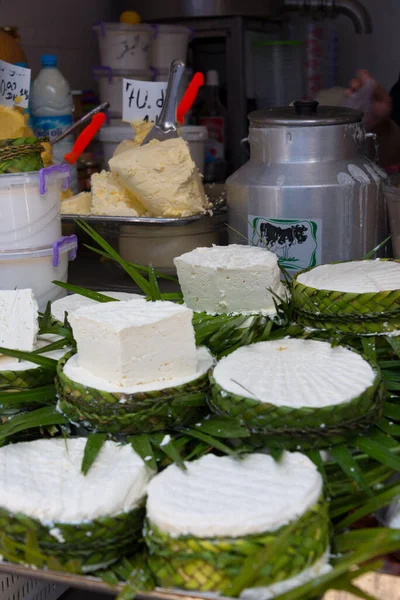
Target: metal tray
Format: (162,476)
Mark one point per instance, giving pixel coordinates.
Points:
(93,584)
(134,220)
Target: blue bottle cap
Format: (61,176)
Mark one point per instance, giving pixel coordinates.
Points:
(48,60)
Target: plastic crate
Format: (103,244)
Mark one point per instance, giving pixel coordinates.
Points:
(20,588)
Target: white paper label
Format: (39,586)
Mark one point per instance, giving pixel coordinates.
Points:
(142,100)
(296,242)
(15,83)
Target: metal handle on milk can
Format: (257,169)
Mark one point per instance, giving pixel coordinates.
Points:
(375,142)
(245,145)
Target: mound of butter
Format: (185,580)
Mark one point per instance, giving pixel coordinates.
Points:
(163,176)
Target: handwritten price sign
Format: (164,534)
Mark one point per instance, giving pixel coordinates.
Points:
(142,100)
(15,83)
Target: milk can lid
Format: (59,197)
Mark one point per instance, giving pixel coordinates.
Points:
(304,113)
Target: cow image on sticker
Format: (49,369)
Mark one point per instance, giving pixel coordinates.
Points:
(296,242)
(279,240)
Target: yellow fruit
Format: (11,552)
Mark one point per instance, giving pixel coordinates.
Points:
(131,17)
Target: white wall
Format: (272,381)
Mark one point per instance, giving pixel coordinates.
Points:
(379,52)
(62,27)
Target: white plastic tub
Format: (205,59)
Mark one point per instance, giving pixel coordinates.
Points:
(112,135)
(110,86)
(36,269)
(124,46)
(170,42)
(30,207)
(196,136)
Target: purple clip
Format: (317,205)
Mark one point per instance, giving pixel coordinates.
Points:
(155,73)
(43,173)
(108,70)
(69,239)
(155,30)
(101,25)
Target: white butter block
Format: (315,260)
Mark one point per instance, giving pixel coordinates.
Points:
(19,323)
(163,176)
(135,342)
(230,279)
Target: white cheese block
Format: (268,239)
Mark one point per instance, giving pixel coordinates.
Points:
(230,279)
(110,197)
(296,373)
(43,479)
(19,323)
(163,176)
(358,277)
(70,303)
(130,343)
(224,496)
(78,374)
(319,568)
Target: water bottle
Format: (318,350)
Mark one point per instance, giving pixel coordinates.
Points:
(52,106)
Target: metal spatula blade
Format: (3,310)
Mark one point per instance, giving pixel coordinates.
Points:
(165,127)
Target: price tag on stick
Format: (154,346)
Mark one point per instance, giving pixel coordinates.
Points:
(15,83)
(142,100)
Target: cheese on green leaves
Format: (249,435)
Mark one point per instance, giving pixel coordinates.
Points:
(296,373)
(19,324)
(225,496)
(136,342)
(359,277)
(43,480)
(230,279)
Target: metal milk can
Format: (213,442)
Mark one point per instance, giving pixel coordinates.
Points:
(308,193)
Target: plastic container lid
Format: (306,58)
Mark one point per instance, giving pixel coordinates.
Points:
(48,60)
(69,246)
(116,133)
(194,133)
(36,177)
(125,73)
(102,27)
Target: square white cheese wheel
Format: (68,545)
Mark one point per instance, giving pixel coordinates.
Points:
(163,176)
(19,323)
(230,279)
(135,342)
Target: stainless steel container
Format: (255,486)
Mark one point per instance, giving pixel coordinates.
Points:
(308,193)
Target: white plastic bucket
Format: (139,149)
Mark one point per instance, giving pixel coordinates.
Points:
(170,42)
(110,86)
(124,46)
(112,135)
(30,207)
(36,269)
(196,136)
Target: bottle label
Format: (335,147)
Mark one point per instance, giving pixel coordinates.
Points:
(296,242)
(215,144)
(52,127)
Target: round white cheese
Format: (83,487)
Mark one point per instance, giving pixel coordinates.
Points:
(230,279)
(320,567)
(75,301)
(296,373)
(225,496)
(359,277)
(79,374)
(43,479)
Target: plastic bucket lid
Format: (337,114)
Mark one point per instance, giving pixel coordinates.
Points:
(38,178)
(128,27)
(115,133)
(65,244)
(171,29)
(125,73)
(194,133)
